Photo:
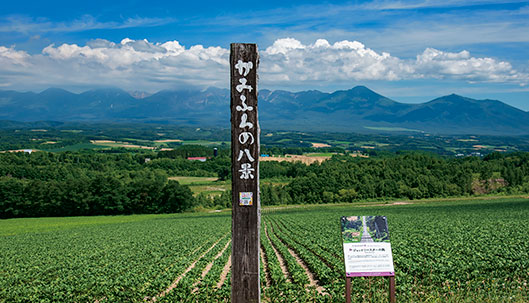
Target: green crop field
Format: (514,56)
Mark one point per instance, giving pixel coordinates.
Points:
(319,154)
(444,251)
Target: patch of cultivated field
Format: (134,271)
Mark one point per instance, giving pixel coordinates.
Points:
(306,159)
(444,251)
(207,185)
(319,145)
(110,143)
(168,140)
(186,180)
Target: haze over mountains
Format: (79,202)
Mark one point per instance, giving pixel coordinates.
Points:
(358,109)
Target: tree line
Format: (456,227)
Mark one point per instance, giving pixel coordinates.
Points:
(79,184)
(404,176)
(106,183)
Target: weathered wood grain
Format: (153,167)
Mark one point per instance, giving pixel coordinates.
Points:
(245,219)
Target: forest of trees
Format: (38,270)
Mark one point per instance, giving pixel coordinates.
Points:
(407,176)
(107,183)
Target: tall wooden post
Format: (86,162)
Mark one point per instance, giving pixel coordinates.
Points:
(246,208)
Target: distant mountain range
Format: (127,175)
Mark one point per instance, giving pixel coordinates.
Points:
(358,109)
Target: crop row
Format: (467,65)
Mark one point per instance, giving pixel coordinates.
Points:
(110,262)
(185,289)
(275,273)
(297,274)
(461,251)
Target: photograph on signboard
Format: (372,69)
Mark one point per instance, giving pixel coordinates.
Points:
(364,229)
(367,249)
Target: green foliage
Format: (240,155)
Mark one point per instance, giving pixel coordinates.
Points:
(75,184)
(405,176)
(81,183)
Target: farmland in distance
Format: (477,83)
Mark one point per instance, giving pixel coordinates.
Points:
(473,250)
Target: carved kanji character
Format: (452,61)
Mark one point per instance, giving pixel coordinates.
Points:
(248,155)
(246,171)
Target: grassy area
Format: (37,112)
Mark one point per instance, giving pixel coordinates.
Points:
(77,147)
(185,180)
(73,131)
(370,143)
(213,186)
(206,143)
(207,185)
(319,154)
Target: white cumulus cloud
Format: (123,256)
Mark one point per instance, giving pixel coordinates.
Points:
(12,56)
(438,64)
(144,65)
(321,61)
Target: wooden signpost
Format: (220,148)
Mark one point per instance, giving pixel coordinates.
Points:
(246,208)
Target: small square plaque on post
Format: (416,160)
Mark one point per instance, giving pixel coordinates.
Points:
(245,198)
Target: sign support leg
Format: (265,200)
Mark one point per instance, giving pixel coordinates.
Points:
(347,290)
(392,298)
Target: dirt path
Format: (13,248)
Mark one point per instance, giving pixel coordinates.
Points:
(209,266)
(177,280)
(146,298)
(284,229)
(225,272)
(279,258)
(265,266)
(312,279)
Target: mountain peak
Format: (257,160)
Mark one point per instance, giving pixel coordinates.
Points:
(361,88)
(452,98)
(54,91)
(364,92)
(456,96)
(136,94)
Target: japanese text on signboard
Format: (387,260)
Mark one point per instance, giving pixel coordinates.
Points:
(246,137)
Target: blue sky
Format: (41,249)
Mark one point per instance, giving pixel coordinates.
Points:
(410,51)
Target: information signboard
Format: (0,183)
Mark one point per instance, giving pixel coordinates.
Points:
(366,246)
